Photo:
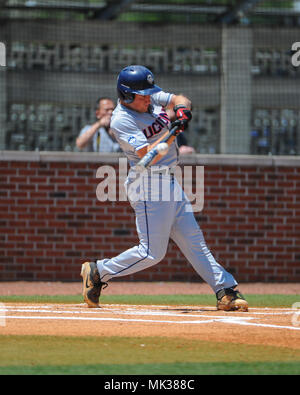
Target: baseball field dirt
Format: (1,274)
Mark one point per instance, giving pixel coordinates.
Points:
(186,333)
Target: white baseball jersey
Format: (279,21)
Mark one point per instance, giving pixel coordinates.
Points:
(134,130)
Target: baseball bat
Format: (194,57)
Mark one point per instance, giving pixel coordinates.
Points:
(152,154)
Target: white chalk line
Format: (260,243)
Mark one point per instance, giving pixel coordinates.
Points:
(263,325)
(130,310)
(120,312)
(261,310)
(104,319)
(238,320)
(134,310)
(230,320)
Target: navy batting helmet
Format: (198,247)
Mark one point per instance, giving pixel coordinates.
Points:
(135,80)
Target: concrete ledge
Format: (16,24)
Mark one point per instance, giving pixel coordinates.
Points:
(240,160)
(72,157)
(113,158)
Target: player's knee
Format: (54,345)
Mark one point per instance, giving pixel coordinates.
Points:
(156,256)
(152,255)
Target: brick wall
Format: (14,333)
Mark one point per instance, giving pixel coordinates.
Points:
(51,221)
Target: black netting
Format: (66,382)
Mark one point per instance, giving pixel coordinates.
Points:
(234,59)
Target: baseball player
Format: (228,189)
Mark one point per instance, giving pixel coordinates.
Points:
(139,123)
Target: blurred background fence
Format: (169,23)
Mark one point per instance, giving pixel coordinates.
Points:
(232,58)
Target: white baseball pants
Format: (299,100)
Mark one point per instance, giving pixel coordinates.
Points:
(156,223)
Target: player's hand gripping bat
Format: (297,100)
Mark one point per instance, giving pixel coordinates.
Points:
(160,149)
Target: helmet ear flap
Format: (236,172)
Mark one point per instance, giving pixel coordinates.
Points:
(126,97)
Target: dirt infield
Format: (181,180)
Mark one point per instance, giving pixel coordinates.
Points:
(259,326)
(268,326)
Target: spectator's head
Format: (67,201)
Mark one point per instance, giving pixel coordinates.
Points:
(104,107)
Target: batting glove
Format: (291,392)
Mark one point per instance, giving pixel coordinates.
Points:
(183,116)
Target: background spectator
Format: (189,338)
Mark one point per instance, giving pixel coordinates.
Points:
(98,137)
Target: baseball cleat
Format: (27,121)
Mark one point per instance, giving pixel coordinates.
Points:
(92,284)
(230,300)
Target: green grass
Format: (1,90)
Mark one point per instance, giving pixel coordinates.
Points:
(52,355)
(144,355)
(268,300)
(255,368)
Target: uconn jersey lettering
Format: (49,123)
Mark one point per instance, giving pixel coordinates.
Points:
(134,130)
(158,125)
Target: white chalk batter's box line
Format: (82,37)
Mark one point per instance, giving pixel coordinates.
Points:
(130,310)
(134,311)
